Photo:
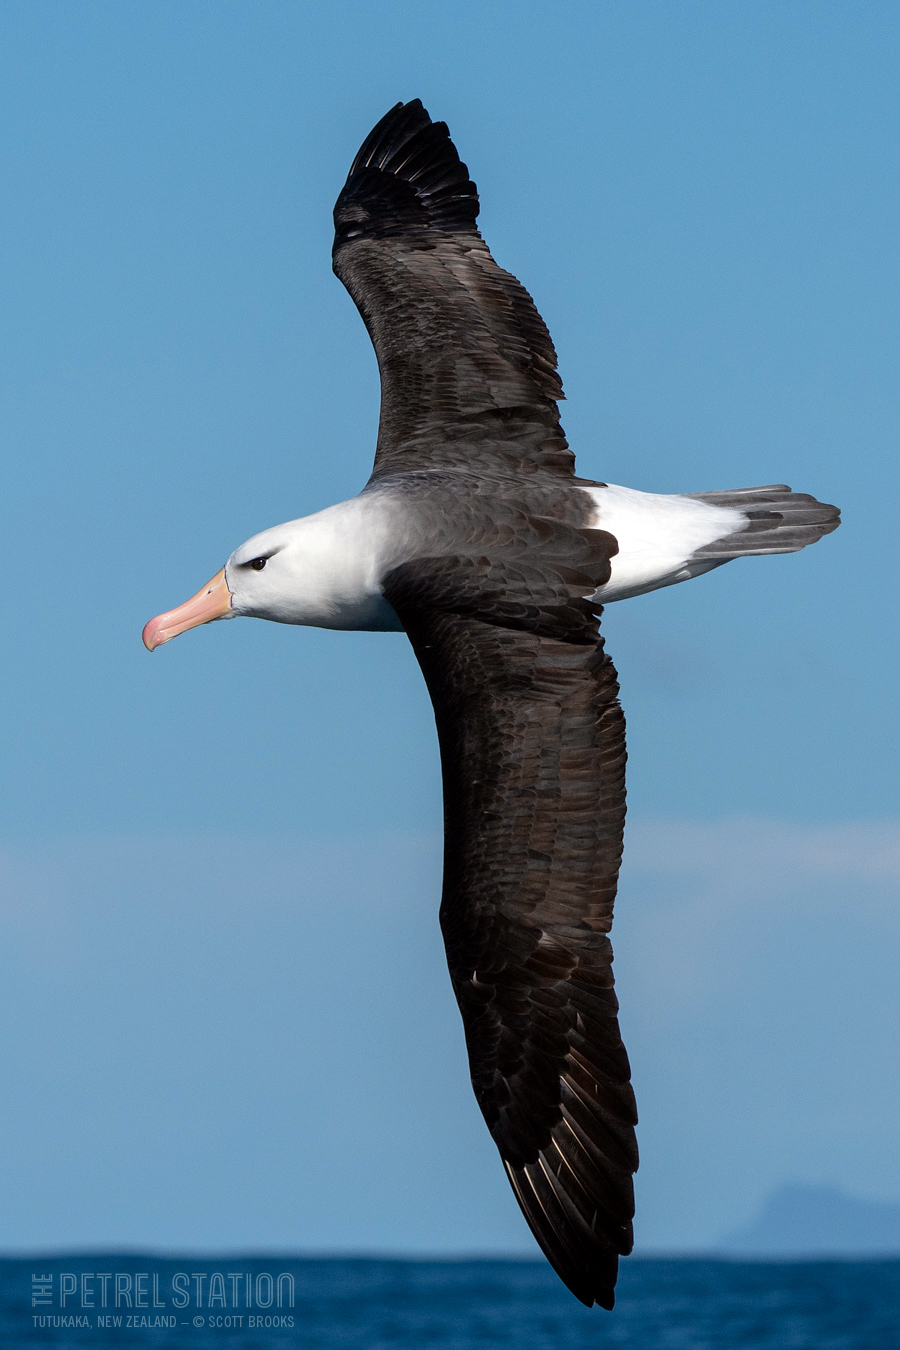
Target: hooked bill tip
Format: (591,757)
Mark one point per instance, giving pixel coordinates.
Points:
(154,635)
(212,602)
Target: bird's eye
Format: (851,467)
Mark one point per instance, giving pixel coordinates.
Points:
(258,563)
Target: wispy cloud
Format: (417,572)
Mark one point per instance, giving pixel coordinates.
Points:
(244,978)
(746,847)
(702,904)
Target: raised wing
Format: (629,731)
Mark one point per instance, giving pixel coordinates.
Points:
(468,370)
(533,752)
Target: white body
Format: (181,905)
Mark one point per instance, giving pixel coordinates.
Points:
(657,535)
(326,570)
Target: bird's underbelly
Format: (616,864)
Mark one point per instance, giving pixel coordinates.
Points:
(657,536)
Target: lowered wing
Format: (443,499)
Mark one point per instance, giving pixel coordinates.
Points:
(533,754)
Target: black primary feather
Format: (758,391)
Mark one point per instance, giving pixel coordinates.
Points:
(406,176)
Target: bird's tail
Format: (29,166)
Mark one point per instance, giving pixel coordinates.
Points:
(778,521)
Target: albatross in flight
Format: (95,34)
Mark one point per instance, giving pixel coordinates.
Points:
(475,537)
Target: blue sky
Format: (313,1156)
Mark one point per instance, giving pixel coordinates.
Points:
(229,1014)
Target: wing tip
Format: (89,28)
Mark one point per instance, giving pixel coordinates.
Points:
(406,175)
(590,1273)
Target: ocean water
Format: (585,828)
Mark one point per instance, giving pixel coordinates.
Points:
(109,1300)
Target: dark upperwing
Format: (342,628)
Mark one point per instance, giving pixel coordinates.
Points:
(468,369)
(533,757)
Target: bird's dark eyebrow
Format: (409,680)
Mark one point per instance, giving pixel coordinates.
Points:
(264,556)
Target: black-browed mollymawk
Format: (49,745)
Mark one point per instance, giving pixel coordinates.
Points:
(475,538)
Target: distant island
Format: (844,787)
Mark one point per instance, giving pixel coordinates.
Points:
(817,1221)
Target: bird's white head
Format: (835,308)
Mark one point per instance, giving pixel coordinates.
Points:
(322,570)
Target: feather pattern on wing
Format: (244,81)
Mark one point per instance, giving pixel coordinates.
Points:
(533,753)
(468,369)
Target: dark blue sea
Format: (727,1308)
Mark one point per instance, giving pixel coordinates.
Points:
(110,1300)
